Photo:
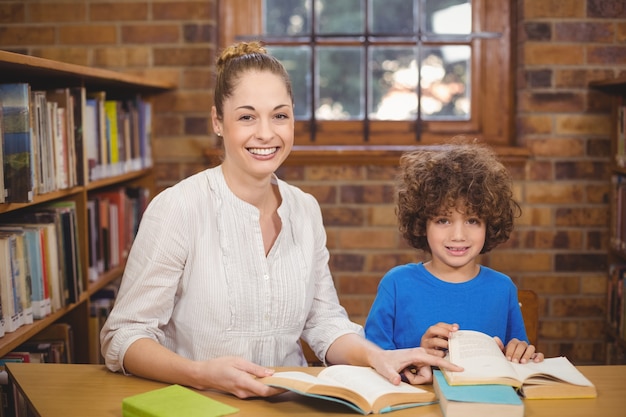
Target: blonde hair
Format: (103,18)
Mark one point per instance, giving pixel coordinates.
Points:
(238,59)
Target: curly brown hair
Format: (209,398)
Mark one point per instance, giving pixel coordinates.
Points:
(436,180)
(238,59)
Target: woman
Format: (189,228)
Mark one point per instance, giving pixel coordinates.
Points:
(229,267)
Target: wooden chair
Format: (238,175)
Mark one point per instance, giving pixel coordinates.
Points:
(529,303)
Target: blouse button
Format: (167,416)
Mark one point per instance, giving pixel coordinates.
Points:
(266,277)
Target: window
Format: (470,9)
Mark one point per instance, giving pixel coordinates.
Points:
(356,66)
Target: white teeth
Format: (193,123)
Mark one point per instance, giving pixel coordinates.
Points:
(262,151)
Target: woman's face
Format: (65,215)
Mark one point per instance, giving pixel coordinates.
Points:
(258,124)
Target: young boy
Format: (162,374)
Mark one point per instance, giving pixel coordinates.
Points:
(455,203)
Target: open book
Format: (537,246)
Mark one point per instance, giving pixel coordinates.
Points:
(360,388)
(484,363)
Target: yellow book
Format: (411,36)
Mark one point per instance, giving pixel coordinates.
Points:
(174,401)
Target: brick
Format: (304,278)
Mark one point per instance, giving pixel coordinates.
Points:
(598,103)
(620,32)
(168,125)
(597,240)
(606,55)
(535,216)
(344,216)
(184,102)
(551,284)
(185,148)
(192,168)
(346,262)
(601,32)
(199,33)
(533,124)
(583,124)
(578,307)
(27,35)
(150,33)
(88,34)
(196,125)
(324,194)
(582,217)
(538,31)
(357,307)
(12,13)
(382,215)
(553,8)
(553,102)
(591,329)
(194,78)
(580,262)
(70,55)
(555,147)
(510,261)
(358,284)
(610,9)
(373,193)
(583,170)
(552,329)
(120,11)
(552,54)
(182,10)
(540,170)
(383,262)
(553,193)
(553,239)
(121,57)
(599,147)
(183,56)
(539,78)
(334,173)
(579,78)
(367,238)
(55,12)
(594,284)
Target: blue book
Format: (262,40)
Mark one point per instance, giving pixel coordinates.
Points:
(17,142)
(476,400)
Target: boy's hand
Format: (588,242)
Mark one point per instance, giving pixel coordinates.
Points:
(435,340)
(519,351)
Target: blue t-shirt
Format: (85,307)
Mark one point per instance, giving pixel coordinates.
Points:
(410,300)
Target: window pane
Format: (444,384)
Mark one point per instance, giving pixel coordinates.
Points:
(447,16)
(391,17)
(340,83)
(393,85)
(445,82)
(287,17)
(297,61)
(342,17)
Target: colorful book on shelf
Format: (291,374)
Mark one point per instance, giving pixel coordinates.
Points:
(8,289)
(174,401)
(21,271)
(360,388)
(17,142)
(484,363)
(476,400)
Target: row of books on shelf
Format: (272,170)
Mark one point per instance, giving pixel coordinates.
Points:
(618,208)
(51,140)
(40,257)
(616,305)
(620,150)
(54,344)
(40,267)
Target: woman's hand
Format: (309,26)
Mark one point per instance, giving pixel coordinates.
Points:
(435,339)
(414,364)
(236,376)
(519,351)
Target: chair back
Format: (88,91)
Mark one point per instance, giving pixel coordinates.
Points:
(529,303)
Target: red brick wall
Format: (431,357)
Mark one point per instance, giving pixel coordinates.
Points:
(559,246)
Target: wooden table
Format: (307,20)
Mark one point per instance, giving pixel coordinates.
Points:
(60,390)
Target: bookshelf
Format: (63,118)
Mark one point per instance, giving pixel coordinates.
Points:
(44,74)
(615,90)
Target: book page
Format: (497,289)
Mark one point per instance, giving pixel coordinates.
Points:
(366,381)
(479,355)
(549,370)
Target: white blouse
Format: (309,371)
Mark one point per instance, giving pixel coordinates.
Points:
(197,279)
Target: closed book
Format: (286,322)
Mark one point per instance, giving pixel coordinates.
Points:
(476,400)
(174,401)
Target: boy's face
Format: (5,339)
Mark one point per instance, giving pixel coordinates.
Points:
(455,239)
